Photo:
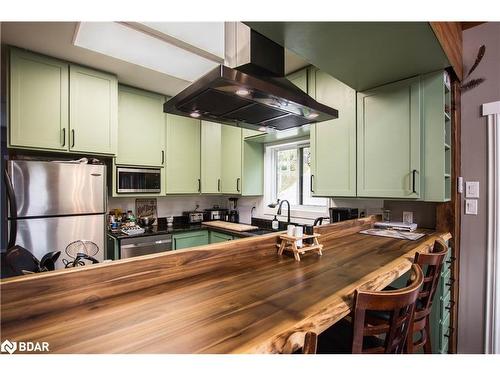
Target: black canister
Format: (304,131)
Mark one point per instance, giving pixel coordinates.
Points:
(308,229)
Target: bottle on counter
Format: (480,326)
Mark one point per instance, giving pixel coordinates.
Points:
(275,223)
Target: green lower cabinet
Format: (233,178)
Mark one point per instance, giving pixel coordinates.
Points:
(333,143)
(440,314)
(183,155)
(388,141)
(38,102)
(216,237)
(93,111)
(141,128)
(190,239)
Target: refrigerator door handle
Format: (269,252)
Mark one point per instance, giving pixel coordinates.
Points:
(12,210)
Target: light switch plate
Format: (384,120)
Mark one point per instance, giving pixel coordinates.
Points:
(472,189)
(460,184)
(407,217)
(471,207)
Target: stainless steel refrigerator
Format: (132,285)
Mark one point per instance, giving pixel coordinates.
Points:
(57,203)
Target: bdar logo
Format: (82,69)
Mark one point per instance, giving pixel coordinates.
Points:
(8,346)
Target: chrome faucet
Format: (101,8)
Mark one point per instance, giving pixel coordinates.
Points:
(279,203)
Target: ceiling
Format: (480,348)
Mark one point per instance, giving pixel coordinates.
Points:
(361,54)
(57,39)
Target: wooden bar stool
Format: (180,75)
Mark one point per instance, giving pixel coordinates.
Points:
(432,264)
(385,336)
(310,343)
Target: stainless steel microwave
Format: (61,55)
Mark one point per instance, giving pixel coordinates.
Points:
(138,180)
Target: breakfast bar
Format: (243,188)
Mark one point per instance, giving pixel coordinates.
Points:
(233,297)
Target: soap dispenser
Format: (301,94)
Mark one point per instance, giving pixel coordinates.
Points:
(275,223)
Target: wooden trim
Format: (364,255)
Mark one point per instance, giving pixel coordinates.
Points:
(448,215)
(468,25)
(449,35)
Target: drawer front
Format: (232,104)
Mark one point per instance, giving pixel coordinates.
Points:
(190,239)
(444,281)
(444,335)
(444,305)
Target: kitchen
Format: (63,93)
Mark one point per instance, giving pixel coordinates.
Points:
(138,183)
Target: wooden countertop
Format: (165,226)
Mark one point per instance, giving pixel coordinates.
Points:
(253,304)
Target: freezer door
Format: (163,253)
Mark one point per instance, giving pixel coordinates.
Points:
(43,235)
(52,189)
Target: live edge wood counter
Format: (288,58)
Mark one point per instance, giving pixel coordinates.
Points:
(233,297)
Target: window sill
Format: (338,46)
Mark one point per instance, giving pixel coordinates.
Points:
(297,213)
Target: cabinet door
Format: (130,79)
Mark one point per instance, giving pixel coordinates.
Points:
(93,111)
(252,174)
(299,79)
(216,237)
(38,101)
(183,155)
(141,128)
(333,143)
(210,157)
(388,141)
(190,239)
(231,159)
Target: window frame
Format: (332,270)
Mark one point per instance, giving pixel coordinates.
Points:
(270,181)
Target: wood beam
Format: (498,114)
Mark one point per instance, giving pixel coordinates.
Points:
(449,35)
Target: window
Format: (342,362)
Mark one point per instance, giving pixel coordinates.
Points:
(290,176)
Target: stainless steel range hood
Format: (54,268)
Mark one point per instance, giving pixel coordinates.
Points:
(250,91)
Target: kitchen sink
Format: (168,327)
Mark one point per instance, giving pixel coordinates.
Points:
(260,231)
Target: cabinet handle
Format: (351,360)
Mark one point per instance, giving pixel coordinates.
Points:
(72,138)
(199,185)
(413,187)
(218,184)
(162,157)
(238,184)
(311,184)
(64,137)
(450,306)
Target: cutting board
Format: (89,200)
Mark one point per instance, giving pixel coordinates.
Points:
(236,227)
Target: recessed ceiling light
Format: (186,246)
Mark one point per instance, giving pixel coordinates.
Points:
(135,47)
(242,92)
(195,114)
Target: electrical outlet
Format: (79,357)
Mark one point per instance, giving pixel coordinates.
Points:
(472,189)
(407,217)
(471,207)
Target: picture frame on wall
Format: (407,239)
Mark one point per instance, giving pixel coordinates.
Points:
(146,207)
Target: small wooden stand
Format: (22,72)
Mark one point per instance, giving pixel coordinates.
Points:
(290,243)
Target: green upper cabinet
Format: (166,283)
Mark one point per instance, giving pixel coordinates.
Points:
(210,157)
(183,155)
(252,169)
(231,159)
(38,101)
(333,143)
(93,111)
(299,79)
(388,140)
(437,137)
(141,128)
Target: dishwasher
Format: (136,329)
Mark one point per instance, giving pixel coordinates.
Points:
(133,247)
